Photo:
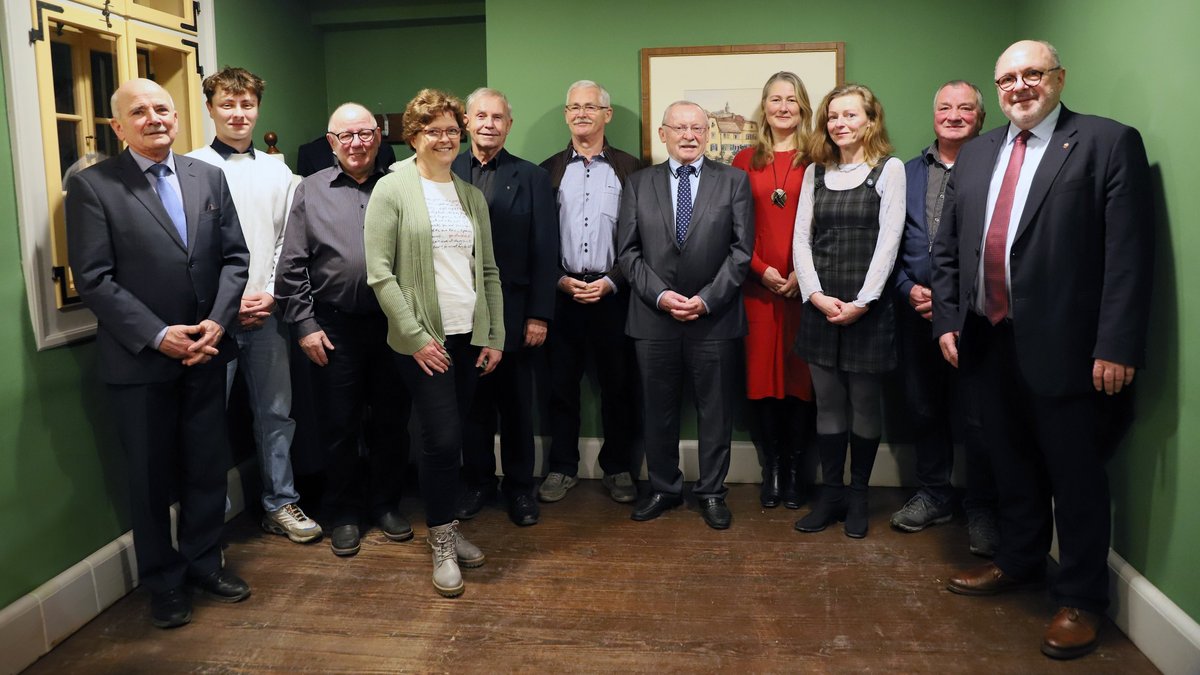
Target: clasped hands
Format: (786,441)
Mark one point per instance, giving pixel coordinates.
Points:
(681,308)
(192,345)
(836,311)
(774,281)
(584,292)
(255,309)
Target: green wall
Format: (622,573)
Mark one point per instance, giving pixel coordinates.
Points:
(1134,62)
(274,39)
(61,492)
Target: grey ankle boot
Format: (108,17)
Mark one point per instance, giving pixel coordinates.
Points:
(468,554)
(447,578)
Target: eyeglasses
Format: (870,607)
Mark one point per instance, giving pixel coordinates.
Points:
(1031,78)
(434,134)
(347,137)
(590,109)
(681,130)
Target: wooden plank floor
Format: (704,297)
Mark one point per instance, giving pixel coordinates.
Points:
(589,590)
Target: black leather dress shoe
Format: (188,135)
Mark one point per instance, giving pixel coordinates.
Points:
(223,586)
(656,504)
(716,514)
(523,510)
(471,501)
(395,526)
(344,540)
(170,609)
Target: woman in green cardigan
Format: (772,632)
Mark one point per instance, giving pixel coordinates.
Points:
(430,262)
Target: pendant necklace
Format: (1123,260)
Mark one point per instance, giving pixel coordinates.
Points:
(779,196)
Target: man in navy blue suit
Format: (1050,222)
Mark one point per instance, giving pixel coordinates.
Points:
(158,256)
(1042,270)
(930,382)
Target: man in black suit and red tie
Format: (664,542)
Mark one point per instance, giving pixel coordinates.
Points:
(1042,270)
(158,256)
(684,241)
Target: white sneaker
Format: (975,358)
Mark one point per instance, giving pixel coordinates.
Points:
(447,578)
(291,522)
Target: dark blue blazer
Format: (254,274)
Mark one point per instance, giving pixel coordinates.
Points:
(914,263)
(524,215)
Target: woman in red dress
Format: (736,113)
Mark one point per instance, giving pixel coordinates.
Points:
(777,381)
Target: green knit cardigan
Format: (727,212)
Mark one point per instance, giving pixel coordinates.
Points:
(399,248)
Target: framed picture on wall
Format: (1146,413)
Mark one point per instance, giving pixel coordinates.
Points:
(727,82)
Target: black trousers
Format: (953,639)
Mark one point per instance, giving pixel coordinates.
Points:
(362,403)
(442,402)
(176,445)
(711,368)
(1042,448)
(596,330)
(508,392)
(930,393)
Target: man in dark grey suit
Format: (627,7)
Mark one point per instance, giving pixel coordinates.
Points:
(158,255)
(1042,268)
(684,241)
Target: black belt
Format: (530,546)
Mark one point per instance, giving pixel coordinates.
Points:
(586,278)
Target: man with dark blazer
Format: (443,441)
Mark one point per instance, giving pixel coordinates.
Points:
(1042,270)
(158,256)
(525,238)
(685,238)
(929,382)
(592,300)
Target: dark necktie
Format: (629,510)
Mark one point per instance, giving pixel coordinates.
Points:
(995,289)
(683,202)
(170,199)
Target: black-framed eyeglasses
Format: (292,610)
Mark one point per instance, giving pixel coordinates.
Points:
(590,109)
(1031,78)
(347,137)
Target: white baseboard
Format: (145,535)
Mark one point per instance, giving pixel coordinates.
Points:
(43,618)
(33,624)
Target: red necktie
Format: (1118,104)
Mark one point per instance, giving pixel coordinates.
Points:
(995,290)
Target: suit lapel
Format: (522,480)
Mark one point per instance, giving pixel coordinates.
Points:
(662,187)
(189,184)
(139,185)
(1058,150)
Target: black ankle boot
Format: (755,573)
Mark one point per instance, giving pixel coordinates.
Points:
(862,460)
(831,505)
(769,493)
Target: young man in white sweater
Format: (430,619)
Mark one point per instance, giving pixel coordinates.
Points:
(261,186)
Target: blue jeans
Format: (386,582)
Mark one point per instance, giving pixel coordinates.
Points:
(264,364)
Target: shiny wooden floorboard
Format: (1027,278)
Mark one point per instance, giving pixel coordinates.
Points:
(588,590)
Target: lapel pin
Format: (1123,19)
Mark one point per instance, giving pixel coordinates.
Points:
(1066,145)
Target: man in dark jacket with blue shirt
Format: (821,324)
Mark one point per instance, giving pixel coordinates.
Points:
(928,380)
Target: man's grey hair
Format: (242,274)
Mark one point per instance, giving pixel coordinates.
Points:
(346,106)
(605,99)
(962,83)
(1053,52)
(488,91)
(682,102)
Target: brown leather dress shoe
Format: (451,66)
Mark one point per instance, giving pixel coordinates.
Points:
(988,580)
(1071,634)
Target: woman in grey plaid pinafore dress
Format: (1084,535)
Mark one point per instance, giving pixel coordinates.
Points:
(845,229)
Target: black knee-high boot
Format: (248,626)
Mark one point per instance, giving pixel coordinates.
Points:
(862,460)
(765,435)
(831,505)
(794,434)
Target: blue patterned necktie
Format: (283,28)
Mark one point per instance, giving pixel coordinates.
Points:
(683,202)
(170,199)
